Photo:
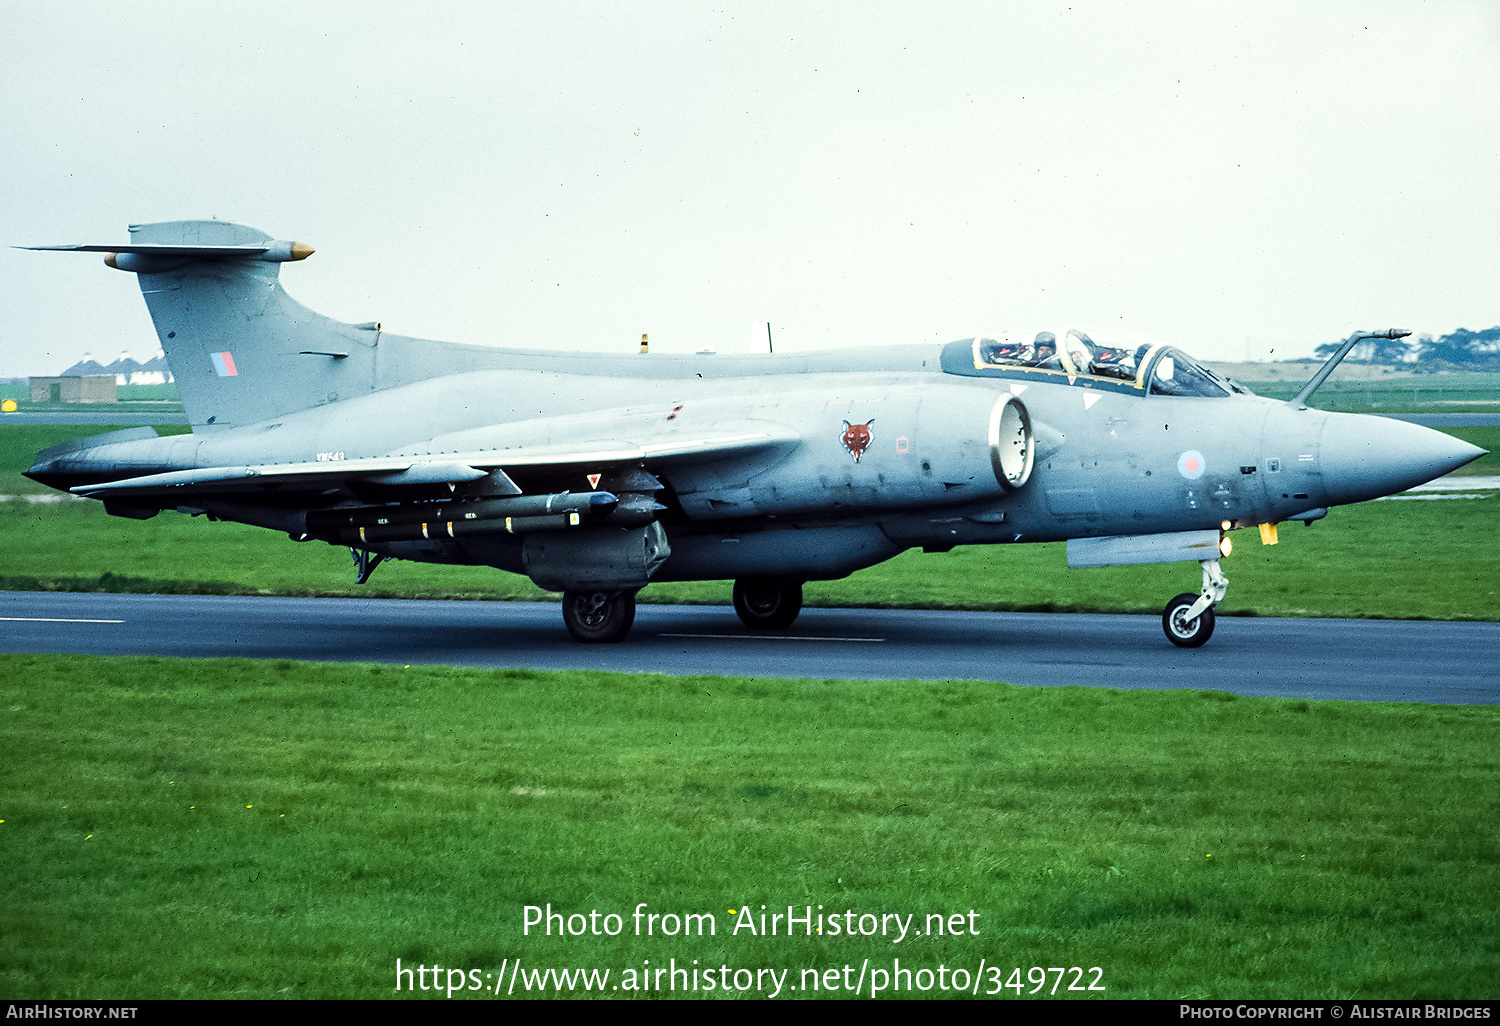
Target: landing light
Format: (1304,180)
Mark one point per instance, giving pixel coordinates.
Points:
(1226,525)
(1225,546)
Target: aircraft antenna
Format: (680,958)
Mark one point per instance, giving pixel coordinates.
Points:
(770,348)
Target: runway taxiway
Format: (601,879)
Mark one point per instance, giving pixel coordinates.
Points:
(1368,660)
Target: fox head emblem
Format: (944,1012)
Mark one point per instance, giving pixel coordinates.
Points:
(857,438)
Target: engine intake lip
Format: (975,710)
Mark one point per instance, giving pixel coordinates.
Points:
(1012,443)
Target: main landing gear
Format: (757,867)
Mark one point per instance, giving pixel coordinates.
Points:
(605,617)
(599,617)
(767,605)
(1188,619)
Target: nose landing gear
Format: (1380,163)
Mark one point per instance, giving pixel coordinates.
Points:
(1188,620)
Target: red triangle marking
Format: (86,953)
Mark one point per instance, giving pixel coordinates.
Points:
(594,480)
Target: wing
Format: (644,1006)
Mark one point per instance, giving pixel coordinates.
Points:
(437,469)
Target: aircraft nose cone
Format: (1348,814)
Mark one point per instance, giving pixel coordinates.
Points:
(1364,457)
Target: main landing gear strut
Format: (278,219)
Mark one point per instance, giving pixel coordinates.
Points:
(1188,619)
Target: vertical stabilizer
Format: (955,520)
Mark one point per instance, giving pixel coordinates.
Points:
(240,348)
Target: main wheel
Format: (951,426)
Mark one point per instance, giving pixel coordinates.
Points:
(1182,632)
(598,617)
(767,605)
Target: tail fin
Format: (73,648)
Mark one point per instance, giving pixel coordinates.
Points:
(240,348)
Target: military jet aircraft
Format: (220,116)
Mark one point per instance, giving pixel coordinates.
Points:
(595,475)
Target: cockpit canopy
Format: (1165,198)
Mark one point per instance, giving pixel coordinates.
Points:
(1116,355)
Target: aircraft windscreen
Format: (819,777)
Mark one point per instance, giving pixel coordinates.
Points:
(1176,373)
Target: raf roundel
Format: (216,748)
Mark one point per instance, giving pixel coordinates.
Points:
(1190,464)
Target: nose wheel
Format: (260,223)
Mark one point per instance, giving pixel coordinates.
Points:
(1185,631)
(1188,620)
(598,617)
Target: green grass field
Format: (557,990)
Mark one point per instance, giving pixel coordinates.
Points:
(1456,392)
(1342,566)
(237,829)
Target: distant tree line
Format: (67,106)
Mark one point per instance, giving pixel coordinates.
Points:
(1461,350)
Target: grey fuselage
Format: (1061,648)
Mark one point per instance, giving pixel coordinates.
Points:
(1107,462)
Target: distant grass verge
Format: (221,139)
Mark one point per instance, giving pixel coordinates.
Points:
(1461,391)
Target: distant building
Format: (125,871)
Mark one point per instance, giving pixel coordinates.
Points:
(153,372)
(122,369)
(75,388)
(132,372)
(83,368)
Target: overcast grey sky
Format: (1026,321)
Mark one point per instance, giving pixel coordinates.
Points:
(1231,178)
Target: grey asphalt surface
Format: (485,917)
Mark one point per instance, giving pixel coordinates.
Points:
(1363,660)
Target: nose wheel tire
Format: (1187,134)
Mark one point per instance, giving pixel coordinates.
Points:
(767,605)
(1182,632)
(598,617)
